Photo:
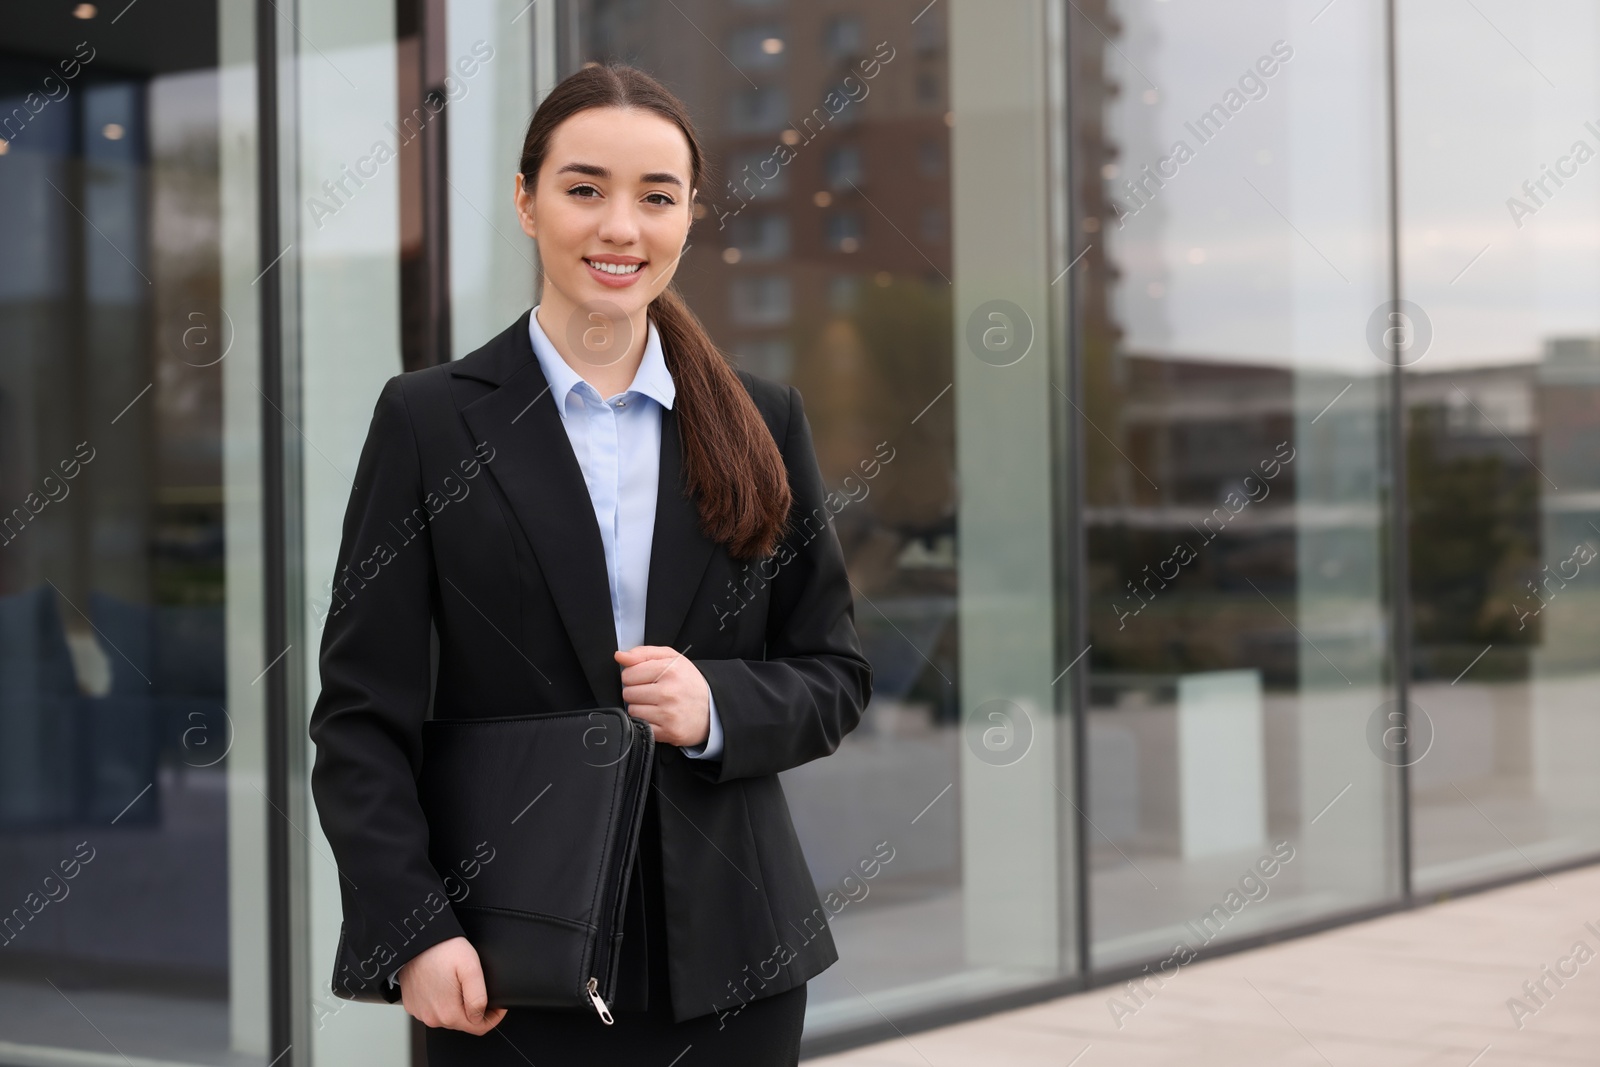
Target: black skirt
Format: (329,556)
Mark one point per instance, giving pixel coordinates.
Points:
(765,1032)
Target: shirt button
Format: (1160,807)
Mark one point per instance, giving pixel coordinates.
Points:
(622,403)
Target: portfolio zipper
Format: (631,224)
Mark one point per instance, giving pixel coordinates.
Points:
(599,1005)
(638,769)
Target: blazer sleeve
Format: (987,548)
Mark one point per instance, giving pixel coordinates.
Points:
(711,747)
(795,705)
(367,721)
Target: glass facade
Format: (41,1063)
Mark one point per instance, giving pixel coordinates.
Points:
(1502,258)
(1236,465)
(1211,399)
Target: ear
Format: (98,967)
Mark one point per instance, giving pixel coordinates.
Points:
(522,199)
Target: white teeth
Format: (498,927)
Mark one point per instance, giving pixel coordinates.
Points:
(616,268)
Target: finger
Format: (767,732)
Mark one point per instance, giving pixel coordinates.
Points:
(651,668)
(670,663)
(474,997)
(650,671)
(638,672)
(640,685)
(656,721)
(631,667)
(478,1029)
(650,713)
(657,690)
(450,1014)
(644,652)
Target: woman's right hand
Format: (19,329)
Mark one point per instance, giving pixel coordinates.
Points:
(443,986)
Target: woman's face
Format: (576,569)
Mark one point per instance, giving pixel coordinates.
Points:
(610,208)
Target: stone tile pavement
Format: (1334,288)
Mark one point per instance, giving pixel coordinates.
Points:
(1438,986)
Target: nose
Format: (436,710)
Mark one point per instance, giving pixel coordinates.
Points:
(618,224)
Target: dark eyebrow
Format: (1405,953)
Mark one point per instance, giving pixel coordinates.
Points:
(659,177)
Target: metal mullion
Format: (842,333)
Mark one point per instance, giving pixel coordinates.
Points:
(1399,514)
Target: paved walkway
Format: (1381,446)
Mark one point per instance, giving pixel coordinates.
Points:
(1423,988)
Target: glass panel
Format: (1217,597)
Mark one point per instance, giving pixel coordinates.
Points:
(492,272)
(132,905)
(1500,251)
(1231,171)
(348,340)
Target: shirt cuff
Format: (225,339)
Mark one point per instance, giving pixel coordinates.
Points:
(396,971)
(712,748)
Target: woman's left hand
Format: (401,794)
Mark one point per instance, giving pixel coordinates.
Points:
(666,690)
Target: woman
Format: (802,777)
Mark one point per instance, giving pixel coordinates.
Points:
(594,509)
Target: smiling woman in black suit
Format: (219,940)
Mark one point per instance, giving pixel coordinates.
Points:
(650,531)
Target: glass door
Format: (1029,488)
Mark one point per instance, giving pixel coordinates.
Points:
(133,903)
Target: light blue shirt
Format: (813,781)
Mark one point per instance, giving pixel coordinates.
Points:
(618,444)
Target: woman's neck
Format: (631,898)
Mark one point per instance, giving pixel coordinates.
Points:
(604,351)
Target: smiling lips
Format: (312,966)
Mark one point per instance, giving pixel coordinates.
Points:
(616,266)
(615,271)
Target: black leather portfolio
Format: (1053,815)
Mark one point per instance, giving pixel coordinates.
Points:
(533,824)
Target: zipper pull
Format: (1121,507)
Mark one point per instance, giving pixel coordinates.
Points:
(599,1005)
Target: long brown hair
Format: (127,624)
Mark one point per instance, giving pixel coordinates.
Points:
(732,466)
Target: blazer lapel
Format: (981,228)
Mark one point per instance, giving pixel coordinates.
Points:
(679,552)
(535,467)
(537,470)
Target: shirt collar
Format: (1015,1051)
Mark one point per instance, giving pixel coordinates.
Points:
(652,378)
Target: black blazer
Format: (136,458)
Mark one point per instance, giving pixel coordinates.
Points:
(470,516)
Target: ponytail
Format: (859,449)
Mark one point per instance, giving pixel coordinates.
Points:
(731,464)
